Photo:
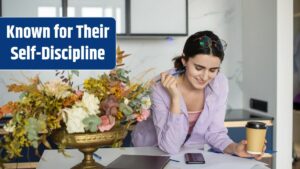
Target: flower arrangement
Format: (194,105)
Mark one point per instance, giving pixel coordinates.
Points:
(105,102)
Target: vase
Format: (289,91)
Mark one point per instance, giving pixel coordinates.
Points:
(88,143)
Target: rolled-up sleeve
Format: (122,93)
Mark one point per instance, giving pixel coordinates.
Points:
(216,135)
(171,129)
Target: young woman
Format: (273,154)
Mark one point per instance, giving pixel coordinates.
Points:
(189,109)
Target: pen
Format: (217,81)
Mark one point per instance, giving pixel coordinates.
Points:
(173,74)
(174,160)
(97,156)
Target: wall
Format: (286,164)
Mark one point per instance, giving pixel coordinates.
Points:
(284,82)
(259,52)
(221,16)
(267,66)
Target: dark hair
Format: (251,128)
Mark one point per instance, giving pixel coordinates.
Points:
(203,42)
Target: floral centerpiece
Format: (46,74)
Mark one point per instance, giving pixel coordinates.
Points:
(109,101)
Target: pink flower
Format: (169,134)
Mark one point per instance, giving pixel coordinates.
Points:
(145,113)
(123,85)
(79,93)
(107,122)
(110,105)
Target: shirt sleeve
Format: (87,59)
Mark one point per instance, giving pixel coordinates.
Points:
(171,129)
(216,135)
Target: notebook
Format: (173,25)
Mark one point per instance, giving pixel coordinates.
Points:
(139,162)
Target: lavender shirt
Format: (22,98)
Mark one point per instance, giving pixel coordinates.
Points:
(168,131)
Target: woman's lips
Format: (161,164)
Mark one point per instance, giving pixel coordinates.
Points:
(200,82)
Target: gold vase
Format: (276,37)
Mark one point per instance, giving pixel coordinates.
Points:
(88,143)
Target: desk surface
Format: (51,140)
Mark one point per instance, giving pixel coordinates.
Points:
(52,159)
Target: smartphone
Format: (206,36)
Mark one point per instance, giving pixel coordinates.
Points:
(194,158)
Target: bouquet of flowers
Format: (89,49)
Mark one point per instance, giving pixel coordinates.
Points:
(105,102)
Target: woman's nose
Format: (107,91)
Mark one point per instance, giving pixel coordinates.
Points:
(205,75)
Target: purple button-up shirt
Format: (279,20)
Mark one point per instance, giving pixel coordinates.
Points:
(169,131)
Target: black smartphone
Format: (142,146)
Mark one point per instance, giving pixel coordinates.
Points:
(194,158)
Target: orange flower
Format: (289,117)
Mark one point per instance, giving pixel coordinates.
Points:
(120,56)
(7,108)
(17,88)
(72,99)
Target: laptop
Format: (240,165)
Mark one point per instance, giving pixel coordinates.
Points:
(139,162)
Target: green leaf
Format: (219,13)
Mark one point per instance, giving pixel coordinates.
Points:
(42,122)
(125,109)
(91,123)
(22,95)
(123,75)
(32,128)
(19,117)
(76,72)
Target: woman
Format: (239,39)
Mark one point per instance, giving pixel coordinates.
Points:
(189,109)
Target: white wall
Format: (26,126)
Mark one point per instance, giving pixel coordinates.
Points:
(267,66)
(259,52)
(221,16)
(284,89)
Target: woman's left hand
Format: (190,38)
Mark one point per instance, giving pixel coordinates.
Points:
(241,151)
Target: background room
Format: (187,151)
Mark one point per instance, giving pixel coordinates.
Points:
(258,58)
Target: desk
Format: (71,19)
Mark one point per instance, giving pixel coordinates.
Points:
(52,159)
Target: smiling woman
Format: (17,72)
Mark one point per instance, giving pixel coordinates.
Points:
(190,108)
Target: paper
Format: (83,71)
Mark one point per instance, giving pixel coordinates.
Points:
(216,161)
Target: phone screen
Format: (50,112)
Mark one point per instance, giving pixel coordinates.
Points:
(194,158)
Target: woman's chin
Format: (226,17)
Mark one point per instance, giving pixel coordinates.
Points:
(200,86)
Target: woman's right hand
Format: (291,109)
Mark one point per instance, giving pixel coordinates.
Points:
(169,82)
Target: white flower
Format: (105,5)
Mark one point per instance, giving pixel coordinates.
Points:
(9,127)
(73,119)
(91,103)
(57,88)
(126,101)
(146,102)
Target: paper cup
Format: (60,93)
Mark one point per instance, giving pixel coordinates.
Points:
(255,135)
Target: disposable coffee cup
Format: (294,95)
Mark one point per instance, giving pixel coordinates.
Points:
(255,135)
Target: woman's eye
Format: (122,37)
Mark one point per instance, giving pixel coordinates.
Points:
(213,70)
(199,68)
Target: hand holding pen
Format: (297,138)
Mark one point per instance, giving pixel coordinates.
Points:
(173,74)
(170,83)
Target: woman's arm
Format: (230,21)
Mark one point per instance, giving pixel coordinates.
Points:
(216,134)
(171,127)
(230,149)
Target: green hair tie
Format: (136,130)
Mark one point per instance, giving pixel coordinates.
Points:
(204,41)
(201,43)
